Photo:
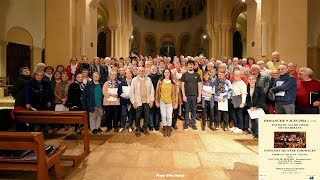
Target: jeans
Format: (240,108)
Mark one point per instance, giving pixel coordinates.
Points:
(95,118)
(124,114)
(143,108)
(255,127)
(166,113)
(112,116)
(204,113)
(154,116)
(285,108)
(224,114)
(190,104)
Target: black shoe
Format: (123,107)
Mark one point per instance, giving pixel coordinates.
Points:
(145,132)
(175,127)
(116,130)
(138,133)
(157,128)
(99,130)
(108,130)
(150,128)
(249,133)
(195,128)
(94,131)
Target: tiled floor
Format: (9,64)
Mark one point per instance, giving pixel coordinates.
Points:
(188,154)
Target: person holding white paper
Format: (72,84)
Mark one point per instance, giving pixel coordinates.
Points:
(223,89)
(255,100)
(287,83)
(239,95)
(207,101)
(126,107)
(111,101)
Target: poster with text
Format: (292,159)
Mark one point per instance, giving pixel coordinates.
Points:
(289,147)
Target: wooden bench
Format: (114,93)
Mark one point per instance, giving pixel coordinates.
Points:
(30,141)
(59,117)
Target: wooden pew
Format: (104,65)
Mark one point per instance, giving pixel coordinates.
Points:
(59,117)
(30,141)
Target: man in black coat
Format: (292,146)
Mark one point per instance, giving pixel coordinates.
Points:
(18,91)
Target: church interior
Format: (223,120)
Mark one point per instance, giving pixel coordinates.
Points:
(53,31)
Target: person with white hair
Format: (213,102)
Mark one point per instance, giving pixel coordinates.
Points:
(234,65)
(285,90)
(305,88)
(275,62)
(263,70)
(40,67)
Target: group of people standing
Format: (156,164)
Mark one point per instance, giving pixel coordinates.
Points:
(158,89)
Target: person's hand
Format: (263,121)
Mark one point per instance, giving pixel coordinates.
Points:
(28,106)
(49,104)
(114,95)
(199,99)
(135,106)
(175,107)
(127,97)
(220,99)
(252,108)
(241,105)
(151,104)
(223,100)
(316,103)
(158,104)
(184,98)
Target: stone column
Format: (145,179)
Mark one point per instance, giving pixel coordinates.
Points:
(36,57)
(58,33)
(223,40)
(3,58)
(226,27)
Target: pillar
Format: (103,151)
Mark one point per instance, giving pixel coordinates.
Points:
(36,57)
(292,31)
(3,58)
(58,25)
(254,28)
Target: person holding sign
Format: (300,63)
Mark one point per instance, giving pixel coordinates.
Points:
(126,107)
(223,89)
(255,102)
(111,101)
(207,100)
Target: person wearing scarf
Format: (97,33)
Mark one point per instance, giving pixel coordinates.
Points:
(61,93)
(223,89)
(73,68)
(48,73)
(111,101)
(74,97)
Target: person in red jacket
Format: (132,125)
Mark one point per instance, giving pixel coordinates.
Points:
(73,68)
(306,85)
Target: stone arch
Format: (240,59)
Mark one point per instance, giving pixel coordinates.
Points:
(102,27)
(150,44)
(201,45)
(184,44)
(19,35)
(167,38)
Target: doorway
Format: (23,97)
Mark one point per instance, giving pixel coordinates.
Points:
(17,56)
(102,45)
